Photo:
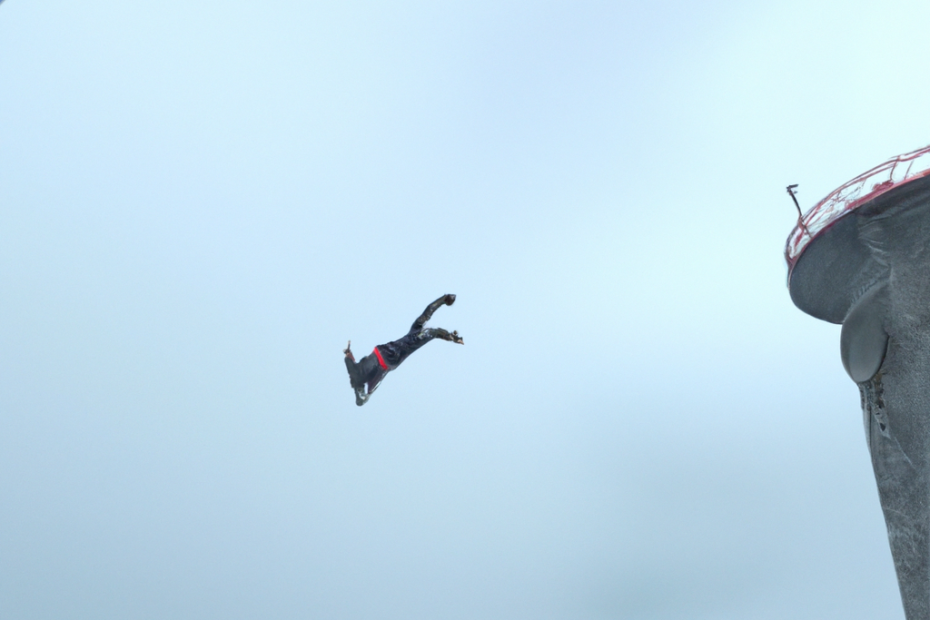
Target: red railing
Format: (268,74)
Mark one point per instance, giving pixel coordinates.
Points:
(849,196)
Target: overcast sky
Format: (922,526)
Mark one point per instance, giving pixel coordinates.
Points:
(202,201)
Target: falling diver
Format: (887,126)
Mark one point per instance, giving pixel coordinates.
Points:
(372,368)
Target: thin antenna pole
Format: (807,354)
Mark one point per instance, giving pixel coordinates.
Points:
(791,192)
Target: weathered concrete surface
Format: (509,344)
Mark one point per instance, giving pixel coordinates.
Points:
(896,400)
(882,292)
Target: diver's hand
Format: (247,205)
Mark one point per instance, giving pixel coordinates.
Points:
(348,351)
(456,338)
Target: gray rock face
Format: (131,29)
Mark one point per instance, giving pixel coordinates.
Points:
(864,339)
(870,270)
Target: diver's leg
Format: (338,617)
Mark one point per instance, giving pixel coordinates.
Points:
(438,332)
(446,300)
(395,352)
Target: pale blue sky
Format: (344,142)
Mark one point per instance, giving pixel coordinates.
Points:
(200,202)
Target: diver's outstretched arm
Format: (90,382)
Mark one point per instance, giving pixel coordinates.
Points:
(446,300)
(352,368)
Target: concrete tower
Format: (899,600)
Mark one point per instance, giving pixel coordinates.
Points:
(861,257)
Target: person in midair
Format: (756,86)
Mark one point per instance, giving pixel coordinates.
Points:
(373,367)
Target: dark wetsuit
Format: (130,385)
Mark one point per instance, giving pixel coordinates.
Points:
(372,368)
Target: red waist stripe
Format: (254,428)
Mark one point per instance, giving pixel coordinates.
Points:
(380,359)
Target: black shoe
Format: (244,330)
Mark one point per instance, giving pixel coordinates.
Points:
(449,300)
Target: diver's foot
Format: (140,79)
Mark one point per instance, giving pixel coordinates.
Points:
(449,300)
